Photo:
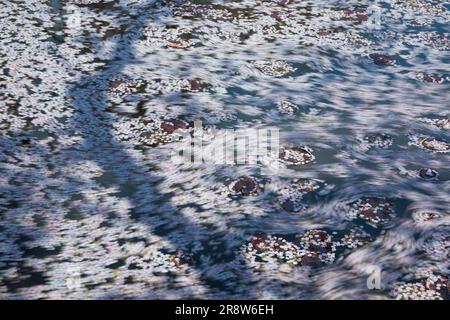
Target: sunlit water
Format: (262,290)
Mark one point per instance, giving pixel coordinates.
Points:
(92,204)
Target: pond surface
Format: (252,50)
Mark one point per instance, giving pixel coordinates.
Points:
(95,97)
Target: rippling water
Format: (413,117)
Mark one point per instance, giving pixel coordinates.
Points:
(93,206)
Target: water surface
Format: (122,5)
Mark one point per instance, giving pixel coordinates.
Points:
(92,205)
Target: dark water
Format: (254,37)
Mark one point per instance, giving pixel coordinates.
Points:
(92,204)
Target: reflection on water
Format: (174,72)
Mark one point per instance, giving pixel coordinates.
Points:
(94,94)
